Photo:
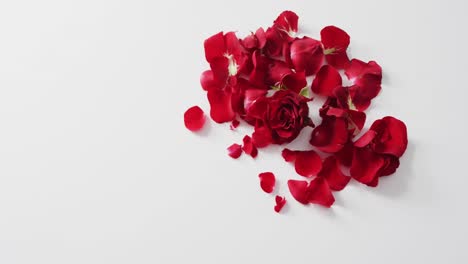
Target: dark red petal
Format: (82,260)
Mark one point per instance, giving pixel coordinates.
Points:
(345,155)
(235,150)
(286,23)
(280,202)
(338,60)
(366,165)
(390,165)
(299,190)
(256,104)
(214,47)
(331,171)
(308,163)
(394,139)
(289,155)
(319,192)
(331,135)
(261,136)
(334,38)
(326,80)
(248,147)
(274,42)
(277,71)
(234,124)
(295,81)
(306,55)
(361,97)
(356,121)
(267,181)
(335,42)
(260,68)
(221,107)
(194,118)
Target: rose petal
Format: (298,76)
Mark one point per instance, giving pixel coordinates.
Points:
(214,46)
(234,124)
(248,147)
(308,163)
(331,135)
(392,136)
(267,181)
(326,80)
(390,165)
(261,136)
(194,118)
(319,192)
(335,42)
(277,71)
(366,165)
(221,106)
(365,139)
(331,171)
(235,150)
(306,55)
(295,81)
(286,23)
(289,155)
(274,42)
(280,202)
(299,190)
(345,155)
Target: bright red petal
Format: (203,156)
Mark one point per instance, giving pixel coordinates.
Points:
(326,80)
(331,171)
(308,163)
(299,190)
(289,155)
(235,150)
(280,202)
(306,55)
(214,46)
(319,192)
(221,106)
(194,118)
(267,181)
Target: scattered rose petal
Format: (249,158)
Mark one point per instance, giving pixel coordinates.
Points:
(248,147)
(307,163)
(306,55)
(289,155)
(319,192)
(267,181)
(326,80)
(280,202)
(235,150)
(332,173)
(234,124)
(335,42)
(299,190)
(194,118)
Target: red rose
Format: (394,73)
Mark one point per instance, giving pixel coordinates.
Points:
(279,118)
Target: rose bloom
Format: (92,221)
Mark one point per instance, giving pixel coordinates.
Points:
(279,118)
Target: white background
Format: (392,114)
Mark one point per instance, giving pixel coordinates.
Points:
(97,167)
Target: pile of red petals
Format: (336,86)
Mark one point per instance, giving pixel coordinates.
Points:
(263,80)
